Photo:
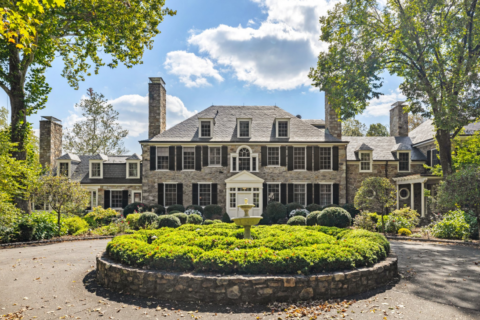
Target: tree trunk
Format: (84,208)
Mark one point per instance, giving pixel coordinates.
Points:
(59,226)
(445,144)
(383,224)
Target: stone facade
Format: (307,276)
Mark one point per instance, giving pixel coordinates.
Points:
(332,122)
(242,288)
(50,141)
(157,107)
(398,121)
(102,188)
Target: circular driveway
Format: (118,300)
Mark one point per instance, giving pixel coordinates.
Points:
(58,281)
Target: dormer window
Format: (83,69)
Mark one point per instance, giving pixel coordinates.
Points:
(205,128)
(404,161)
(244,128)
(365,161)
(133,169)
(96,170)
(64,169)
(283,128)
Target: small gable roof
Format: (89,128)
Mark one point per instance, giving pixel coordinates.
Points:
(99,156)
(69,156)
(364,147)
(381,147)
(134,157)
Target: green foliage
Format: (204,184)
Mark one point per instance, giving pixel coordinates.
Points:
(377,130)
(312,218)
(157,209)
(408,213)
(74,224)
(374,216)
(472,222)
(331,205)
(207,222)
(404,232)
(314,207)
(364,221)
(100,216)
(350,207)
(133,207)
(226,218)
(174,211)
(147,219)
(132,220)
(196,207)
(297,221)
(274,212)
(176,207)
(114,228)
(217,221)
(219,248)
(194,219)
(353,128)
(393,223)
(453,226)
(292,206)
(211,211)
(39,225)
(170,221)
(334,217)
(181,216)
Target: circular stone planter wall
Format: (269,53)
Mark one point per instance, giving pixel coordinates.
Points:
(235,288)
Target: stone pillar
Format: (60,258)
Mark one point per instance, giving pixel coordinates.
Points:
(332,123)
(157,107)
(398,120)
(50,141)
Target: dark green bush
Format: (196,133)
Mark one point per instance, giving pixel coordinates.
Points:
(296,221)
(217,221)
(39,225)
(170,221)
(292,206)
(312,218)
(275,211)
(157,209)
(212,210)
(332,205)
(195,207)
(175,211)
(176,207)
(147,218)
(314,207)
(139,207)
(207,222)
(334,217)
(350,207)
(226,218)
(181,216)
(194,219)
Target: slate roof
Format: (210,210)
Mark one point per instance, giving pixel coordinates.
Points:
(317,123)
(382,147)
(99,157)
(426,131)
(225,128)
(134,157)
(69,156)
(364,147)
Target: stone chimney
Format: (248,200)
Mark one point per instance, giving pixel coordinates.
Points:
(50,141)
(157,107)
(332,123)
(398,120)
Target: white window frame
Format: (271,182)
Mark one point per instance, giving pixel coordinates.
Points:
(235,155)
(360,162)
(214,165)
(288,127)
(90,169)
(249,127)
(279,184)
(69,166)
(138,169)
(331,158)
(399,193)
(200,120)
(409,161)
(320,191)
(279,160)
(305,158)
(111,194)
(165,193)
(156,160)
(198,199)
(132,197)
(183,158)
(305,199)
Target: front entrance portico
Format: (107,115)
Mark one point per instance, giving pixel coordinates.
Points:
(241,186)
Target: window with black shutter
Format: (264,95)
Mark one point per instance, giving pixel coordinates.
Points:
(336,193)
(283,193)
(309,193)
(106,199)
(205,156)
(180,193)
(264,156)
(160,194)
(198,158)
(124,199)
(290,158)
(316,158)
(224,156)
(179,156)
(171,158)
(335,158)
(283,156)
(153,158)
(316,193)
(195,193)
(290,192)
(309,159)
(214,193)
(429,158)
(265,194)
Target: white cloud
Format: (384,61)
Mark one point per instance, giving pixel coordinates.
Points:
(192,70)
(277,54)
(251,22)
(381,106)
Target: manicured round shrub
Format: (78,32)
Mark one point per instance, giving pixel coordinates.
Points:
(175,211)
(212,210)
(193,211)
(332,205)
(207,222)
(194,219)
(181,216)
(312,218)
(74,224)
(176,207)
(196,207)
(217,221)
(404,232)
(296,221)
(133,207)
(132,220)
(299,212)
(334,217)
(350,207)
(147,219)
(157,209)
(170,221)
(293,205)
(274,212)
(313,207)
(226,218)
(99,216)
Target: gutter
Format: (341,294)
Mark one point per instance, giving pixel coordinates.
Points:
(244,142)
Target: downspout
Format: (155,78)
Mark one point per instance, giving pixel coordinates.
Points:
(386,170)
(346,174)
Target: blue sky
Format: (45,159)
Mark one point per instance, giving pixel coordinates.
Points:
(243,52)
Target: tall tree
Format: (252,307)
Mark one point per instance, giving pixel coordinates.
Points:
(377,130)
(434,46)
(414,120)
(100,132)
(353,128)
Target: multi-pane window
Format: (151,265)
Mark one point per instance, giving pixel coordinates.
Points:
(215,156)
(188,158)
(133,169)
(325,194)
(435,159)
(273,192)
(244,129)
(64,169)
(116,199)
(244,159)
(170,194)
(325,158)
(162,158)
(283,129)
(404,161)
(273,156)
(256,197)
(93,199)
(299,193)
(96,169)
(233,198)
(205,127)
(365,161)
(205,194)
(299,158)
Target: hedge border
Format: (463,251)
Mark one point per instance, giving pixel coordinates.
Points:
(50,241)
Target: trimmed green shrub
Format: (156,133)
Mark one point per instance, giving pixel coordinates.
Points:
(404,232)
(334,217)
(170,221)
(39,225)
(293,205)
(176,207)
(175,211)
(100,216)
(147,219)
(296,221)
(313,207)
(364,234)
(132,220)
(217,221)
(207,222)
(299,212)
(364,221)
(312,218)
(350,207)
(194,219)
(226,218)
(196,207)
(453,226)
(133,207)
(158,209)
(332,205)
(181,216)
(275,211)
(212,210)
(74,224)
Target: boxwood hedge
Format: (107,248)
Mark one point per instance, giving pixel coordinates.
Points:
(278,249)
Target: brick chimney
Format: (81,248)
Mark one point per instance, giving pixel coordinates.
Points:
(332,123)
(398,120)
(50,141)
(157,107)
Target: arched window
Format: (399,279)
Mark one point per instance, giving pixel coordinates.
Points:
(244,159)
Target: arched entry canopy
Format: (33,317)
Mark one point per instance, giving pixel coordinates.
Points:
(244,185)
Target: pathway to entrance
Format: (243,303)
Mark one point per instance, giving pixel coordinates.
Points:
(50,282)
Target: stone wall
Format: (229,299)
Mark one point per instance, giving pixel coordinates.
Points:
(398,121)
(331,120)
(101,190)
(157,107)
(50,143)
(242,288)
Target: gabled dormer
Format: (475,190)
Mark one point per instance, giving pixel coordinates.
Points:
(133,166)
(282,127)
(64,164)
(96,166)
(244,127)
(403,153)
(365,155)
(205,127)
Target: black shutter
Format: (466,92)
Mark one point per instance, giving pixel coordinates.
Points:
(160,194)
(124,198)
(198,158)
(335,158)
(309,159)
(283,156)
(265,194)
(171,158)
(214,193)
(309,193)
(316,158)
(264,157)
(290,192)
(179,158)
(224,156)
(153,158)
(283,193)
(205,156)
(429,158)
(316,193)
(106,199)
(435,154)
(195,193)
(336,195)
(290,159)
(180,193)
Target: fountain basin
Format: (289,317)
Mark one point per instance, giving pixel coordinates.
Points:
(247,221)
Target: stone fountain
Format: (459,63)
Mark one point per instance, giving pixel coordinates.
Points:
(246,221)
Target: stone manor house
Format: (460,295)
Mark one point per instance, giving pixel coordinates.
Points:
(225,154)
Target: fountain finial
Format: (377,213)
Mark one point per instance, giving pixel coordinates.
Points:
(246,201)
